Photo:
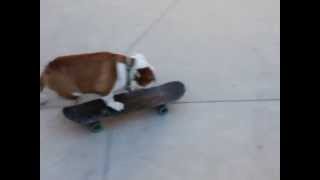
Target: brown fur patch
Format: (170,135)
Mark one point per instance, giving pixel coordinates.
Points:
(146,76)
(85,73)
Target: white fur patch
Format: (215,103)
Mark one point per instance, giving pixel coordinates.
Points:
(109,101)
(141,62)
(46,95)
(77,94)
(122,78)
(121,81)
(119,86)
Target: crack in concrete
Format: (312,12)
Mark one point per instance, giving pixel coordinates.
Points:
(108,147)
(171,6)
(199,102)
(228,101)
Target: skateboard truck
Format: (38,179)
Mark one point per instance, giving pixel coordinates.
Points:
(95,127)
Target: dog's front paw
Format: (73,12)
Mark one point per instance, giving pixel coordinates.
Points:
(117,106)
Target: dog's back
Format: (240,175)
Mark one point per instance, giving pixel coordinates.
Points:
(85,73)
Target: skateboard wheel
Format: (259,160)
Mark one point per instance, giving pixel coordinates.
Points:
(95,127)
(162,110)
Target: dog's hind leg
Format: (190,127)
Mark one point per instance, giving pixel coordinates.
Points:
(64,87)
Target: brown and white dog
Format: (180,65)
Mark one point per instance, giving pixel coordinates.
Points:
(100,73)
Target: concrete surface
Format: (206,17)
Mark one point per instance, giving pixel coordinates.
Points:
(227,127)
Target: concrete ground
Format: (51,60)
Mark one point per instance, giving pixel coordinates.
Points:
(227,127)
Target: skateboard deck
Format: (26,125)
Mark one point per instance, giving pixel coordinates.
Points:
(89,113)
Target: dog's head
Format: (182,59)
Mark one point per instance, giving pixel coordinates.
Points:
(144,72)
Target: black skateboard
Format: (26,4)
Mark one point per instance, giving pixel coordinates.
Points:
(88,114)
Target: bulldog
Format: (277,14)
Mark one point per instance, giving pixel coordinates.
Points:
(102,73)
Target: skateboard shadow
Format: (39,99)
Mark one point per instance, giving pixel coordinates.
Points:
(142,116)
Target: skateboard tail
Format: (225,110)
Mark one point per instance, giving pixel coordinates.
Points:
(85,113)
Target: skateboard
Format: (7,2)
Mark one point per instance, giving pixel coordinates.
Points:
(90,113)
